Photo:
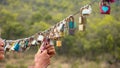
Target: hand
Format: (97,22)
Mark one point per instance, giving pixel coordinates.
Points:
(42,59)
(1,49)
(50,50)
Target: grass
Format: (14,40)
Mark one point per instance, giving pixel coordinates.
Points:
(23,61)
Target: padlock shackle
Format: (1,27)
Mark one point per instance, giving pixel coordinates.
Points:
(71,18)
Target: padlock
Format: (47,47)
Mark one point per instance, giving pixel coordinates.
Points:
(58,43)
(112,1)
(81,20)
(87,10)
(61,34)
(34,42)
(26,43)
(17,46)
(105,7)
(40,38)
(51,42)
(71,22)
(71,25)
(7,47)
(81,27)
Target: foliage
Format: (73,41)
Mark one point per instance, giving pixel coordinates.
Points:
(23,18)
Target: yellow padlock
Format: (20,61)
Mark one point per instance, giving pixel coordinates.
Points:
(58,43)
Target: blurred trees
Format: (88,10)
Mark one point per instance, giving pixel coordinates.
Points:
(23,18)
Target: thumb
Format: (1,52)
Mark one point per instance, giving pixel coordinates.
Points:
(41,48)
(44,52)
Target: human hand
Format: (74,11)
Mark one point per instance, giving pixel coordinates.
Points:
(49,47)
(42,59)
(50,50)
(1,49)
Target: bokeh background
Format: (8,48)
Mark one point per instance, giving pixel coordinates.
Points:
(97,47)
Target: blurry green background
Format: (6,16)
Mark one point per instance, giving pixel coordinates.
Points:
(97,47)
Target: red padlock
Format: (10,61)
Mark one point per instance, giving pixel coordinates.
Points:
(104,8)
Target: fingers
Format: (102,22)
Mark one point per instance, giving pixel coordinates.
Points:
(1,50)
(47,46)
(1,44)
(42,59)
(50,50)
(1,56)
(45,53)
(41,48)
(51,53)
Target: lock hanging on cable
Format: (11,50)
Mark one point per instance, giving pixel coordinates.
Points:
(71,25)
(82,23)
(105,7)
(86,10)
